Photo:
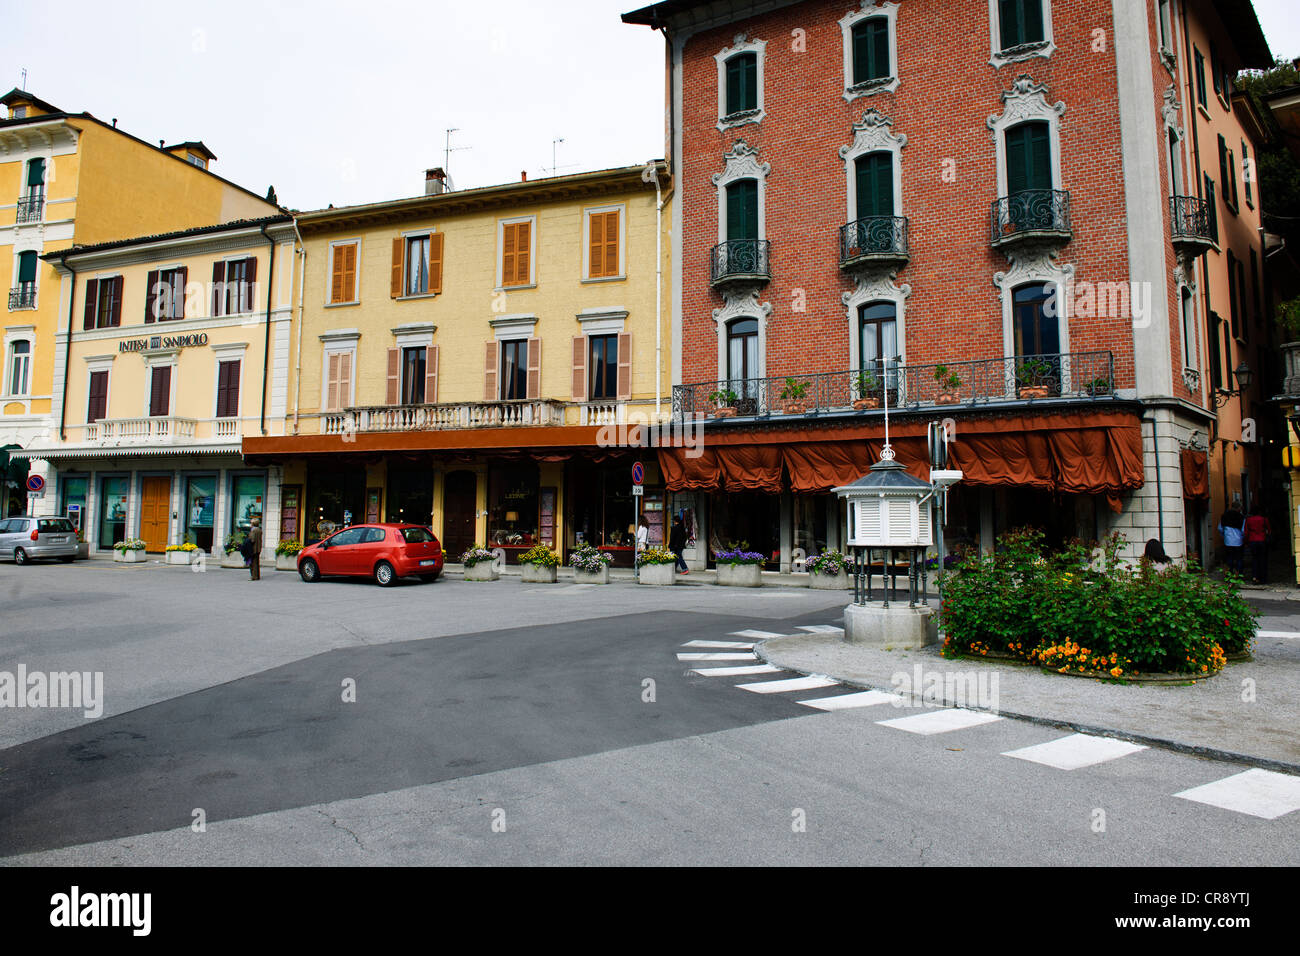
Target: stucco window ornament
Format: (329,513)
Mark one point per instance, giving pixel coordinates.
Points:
(740,44)
(742,304)
(881,84)
(1021,51)
(1171,110)
(742,163)
(1192,379)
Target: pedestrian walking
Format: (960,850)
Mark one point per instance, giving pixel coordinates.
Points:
(642,540)
(1257,532)
(1231,523)
(255,543)
(677,543)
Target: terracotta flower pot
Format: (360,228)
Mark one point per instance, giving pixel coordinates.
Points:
(865,403)
(794,406)
(948,398)
(724,412)
(1032,391)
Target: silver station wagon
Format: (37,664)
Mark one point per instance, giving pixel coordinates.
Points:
(29,539)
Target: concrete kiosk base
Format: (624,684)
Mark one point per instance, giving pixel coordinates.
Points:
(897,626)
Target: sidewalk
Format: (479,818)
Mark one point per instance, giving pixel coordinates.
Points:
(1209,718)
(625,576)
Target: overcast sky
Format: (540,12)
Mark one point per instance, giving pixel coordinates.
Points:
(347,102)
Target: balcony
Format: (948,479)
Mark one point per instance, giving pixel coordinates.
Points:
(142,431)
(1031,216)
(1191,227)
(23,297)
(1014,378)
(741,262)
(405,418)
(874,240)
(30,208)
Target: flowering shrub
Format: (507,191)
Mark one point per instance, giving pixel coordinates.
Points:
(130,544)
(540,556)
(288,549)
(1073,613)
(589,558)
(829,563)
(474,555)
(739,557)
(656,555)
(187,546)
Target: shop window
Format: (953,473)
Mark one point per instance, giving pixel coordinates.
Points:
(200,511)
(603,510)
(112,512)
(246,494)
(513,506)
(809,523)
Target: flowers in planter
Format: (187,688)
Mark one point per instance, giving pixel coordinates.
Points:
(656,554)
(233,541)
(288,549)
(738,557)
(475,555)
(829,563)
(187,547)
(540,556)
(130,544)
(589,558)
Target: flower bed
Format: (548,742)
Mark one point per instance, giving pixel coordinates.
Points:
(1072,614)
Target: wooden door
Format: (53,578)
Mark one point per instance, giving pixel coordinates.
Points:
(155,512)
(459,504)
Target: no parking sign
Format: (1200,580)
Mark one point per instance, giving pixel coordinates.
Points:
(35,486)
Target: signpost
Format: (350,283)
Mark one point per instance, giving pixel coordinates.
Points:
(35,489)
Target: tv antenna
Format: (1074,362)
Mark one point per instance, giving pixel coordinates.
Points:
(24,86)
(448,149)
(555,166)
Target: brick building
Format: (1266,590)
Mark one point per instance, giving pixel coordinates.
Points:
(995,215)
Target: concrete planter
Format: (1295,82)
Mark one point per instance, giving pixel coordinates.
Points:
(830,582)
(130,557)
(657,575)
(740,575)
(591,577)
(286,562)
(83,550)
(482,571)
(535,574)
(233,560)
(180,557)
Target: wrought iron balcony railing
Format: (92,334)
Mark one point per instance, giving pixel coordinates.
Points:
(1030,214)
(30,207)
(23,297)
(1191,225)
(874,239)
(740,260)
(1013,378)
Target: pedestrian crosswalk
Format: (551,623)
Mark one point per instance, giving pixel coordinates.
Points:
(1260,793)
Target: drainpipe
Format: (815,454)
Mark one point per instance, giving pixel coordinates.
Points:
(1160,509)
(297,373)
(67,352)
(266,345)
(659,285)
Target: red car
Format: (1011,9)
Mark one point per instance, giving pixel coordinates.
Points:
(384,552)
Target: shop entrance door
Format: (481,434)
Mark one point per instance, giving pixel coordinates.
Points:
(459,503)
(155,510)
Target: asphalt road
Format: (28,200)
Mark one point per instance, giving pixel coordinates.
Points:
(501,723)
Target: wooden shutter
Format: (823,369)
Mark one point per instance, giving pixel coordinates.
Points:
(218,288)
(624,366)
(228,388)
(596,246)
(515,252)
(336,276)
(394,375)
(431,375)
(178,296)
(117,301)
(160,388)
(345,379)
(435,262)
(579,368)
(150,295)
(249,284)
(395,288)
(92,301)
(97,405)
(490,373)
(508,255)
(332,402)
(534,368)
(742,209)
(1009,23)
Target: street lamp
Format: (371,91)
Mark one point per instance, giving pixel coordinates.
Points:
(1244,377)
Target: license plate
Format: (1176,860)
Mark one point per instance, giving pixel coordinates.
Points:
(427,564)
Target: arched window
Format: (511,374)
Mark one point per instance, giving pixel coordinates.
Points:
(742,356)
(878,350)
(1036,331)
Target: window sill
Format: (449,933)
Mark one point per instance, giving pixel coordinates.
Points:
(1223,102)
(339,305)
(515,288)
(597,279)
(1021,52)
(886,84)
(1200,108)
(733,120)
(417,296)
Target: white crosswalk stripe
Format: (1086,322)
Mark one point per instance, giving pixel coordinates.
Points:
(724,656)
(821,629)
(1260,793)
(867,698)
(1290,634)
(939,721)
(756,635)
(1075,751)
(794,683)
(733,645)
(740,671)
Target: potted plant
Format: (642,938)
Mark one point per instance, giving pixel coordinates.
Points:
(1030,379)
(724,403)
(539,564)
(949,386)
(590,565)
(866,385)
(130,551)
(230,556)
(655,566)
(828,571)
(739,568)
(83,546)
(794,397)
(180,553)
(480,564)
(286,555)
(1099,386)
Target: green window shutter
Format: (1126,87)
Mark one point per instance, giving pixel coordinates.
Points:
(733,85)
(875,182)
(742,83)
(36,172)
(27,267)
(1029,158)
(742,210)
(870,50)
(1009,23)
(1020,22)
(1032,29)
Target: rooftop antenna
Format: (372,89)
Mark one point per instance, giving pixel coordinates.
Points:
(24,86)
(555,166)
(446,154)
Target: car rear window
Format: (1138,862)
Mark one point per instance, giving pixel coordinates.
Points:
(372,535)
(55,525)
(417,535)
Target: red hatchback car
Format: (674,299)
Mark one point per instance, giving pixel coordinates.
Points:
(384,552)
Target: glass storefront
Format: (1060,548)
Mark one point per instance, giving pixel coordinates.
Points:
(410,494)
(112,511)
(748,520)
(602,509)
(334,497)
(200,511)
(810,523)
(72,500)
(513,507)
(247,493)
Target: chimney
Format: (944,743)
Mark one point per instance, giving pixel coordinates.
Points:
(435,181)
(523,175)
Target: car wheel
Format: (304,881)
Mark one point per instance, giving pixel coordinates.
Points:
(309,571)
(385,576)
(20,556)
(428,578)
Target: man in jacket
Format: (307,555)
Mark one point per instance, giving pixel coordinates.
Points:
(255,538)
(677,543)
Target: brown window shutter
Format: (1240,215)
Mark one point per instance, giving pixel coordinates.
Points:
(435,262)
(579,368)
(332,403)
(394,374)
(534,368)
(182,280)
(160,391)
(345,379)
(596,246)
(396,289)
(150,295)
(336,276)
(218,288)
(611,244)
(97,405)
(490,373)
(508,257)
(431,375)
(350,283)
(92,302)
(117,301)
(624,366)
(250,284)
(523,245)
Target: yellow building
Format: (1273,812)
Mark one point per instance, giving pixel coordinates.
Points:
(466,359)
(71,179)
(179,349)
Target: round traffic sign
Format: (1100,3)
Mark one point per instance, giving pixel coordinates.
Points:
(35,483)
(638,473)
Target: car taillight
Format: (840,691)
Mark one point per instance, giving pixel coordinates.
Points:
(35,535)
